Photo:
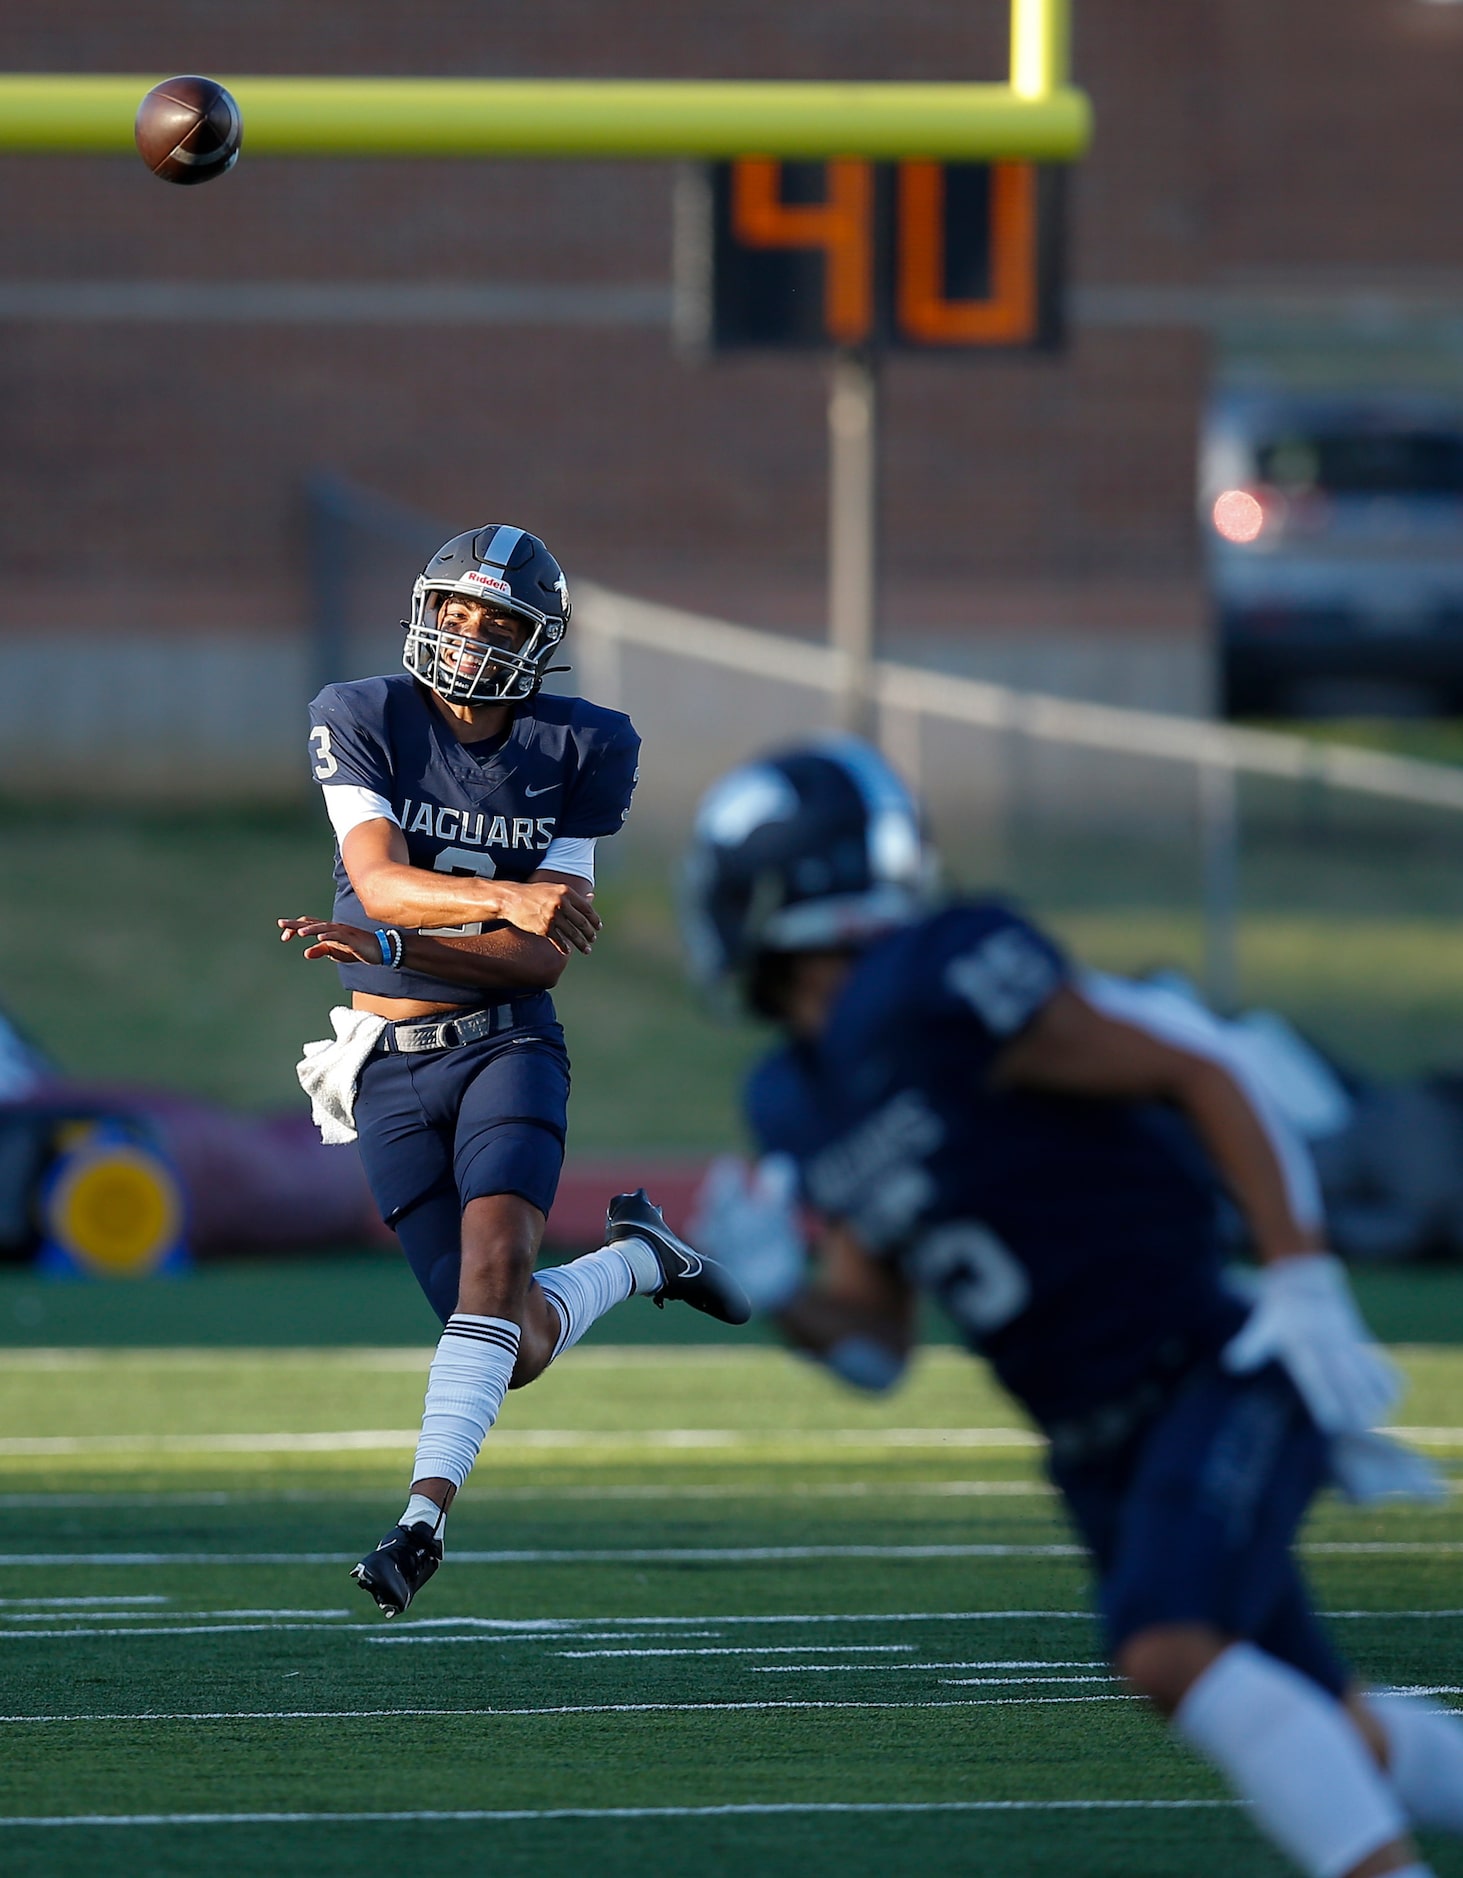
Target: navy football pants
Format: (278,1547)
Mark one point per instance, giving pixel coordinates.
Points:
(1194,1523)
(438,1128)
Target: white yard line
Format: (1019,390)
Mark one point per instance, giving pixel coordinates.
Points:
(153,1718)
(992,1682)
(792,1440)
(853,1668)
(755,1649)
(571,1628)
(592,1555)
(566,1708)
(33,1604)
(554,1490)
(350,1438)
(671,1440)
(181,1630)
(695,1555)
(455,1632)
(151,1615)
(411,1630)
(744,1810)
(1394,1548)
(568,1625)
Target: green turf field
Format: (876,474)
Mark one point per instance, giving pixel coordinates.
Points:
(371,1298)
(1351,930)
(147,991)
(705,1613)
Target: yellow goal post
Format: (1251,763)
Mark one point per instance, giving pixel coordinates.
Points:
(1038,116)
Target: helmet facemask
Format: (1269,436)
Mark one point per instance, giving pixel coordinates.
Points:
(464,669)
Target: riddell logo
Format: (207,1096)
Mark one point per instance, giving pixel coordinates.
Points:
(479,579)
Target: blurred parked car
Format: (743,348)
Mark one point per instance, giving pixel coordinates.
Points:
(1334,531)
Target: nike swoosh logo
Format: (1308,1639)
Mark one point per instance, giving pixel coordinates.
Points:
(540,792)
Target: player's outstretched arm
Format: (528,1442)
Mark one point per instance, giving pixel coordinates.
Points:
(1072,1048)
(829,1298)
(858,1316)
(503,959)
(850,1293)
(394,892)
(1304,1317)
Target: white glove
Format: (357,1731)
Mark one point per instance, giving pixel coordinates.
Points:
(1371,1467)
(747,1219)
(1307,1321)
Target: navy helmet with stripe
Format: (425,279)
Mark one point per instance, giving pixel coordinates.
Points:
(816,848)
(503,567)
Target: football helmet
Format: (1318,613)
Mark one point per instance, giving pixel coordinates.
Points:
(810,849)
(501,566)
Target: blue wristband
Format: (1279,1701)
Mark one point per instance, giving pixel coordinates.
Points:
(383,939)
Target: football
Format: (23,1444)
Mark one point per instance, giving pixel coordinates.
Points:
(188,130)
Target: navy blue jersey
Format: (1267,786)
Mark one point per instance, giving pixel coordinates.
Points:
(566,768)
(1075,1242)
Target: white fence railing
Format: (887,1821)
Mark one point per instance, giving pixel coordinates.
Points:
(759,687)
(616,620)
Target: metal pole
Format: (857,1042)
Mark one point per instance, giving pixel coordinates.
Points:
(853,526)
(1219,848)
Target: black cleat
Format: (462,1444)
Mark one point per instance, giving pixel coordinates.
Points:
(688,1277)
(403,1562)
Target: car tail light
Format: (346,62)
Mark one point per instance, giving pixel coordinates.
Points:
(1239,516)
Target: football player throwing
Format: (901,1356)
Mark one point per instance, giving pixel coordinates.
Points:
(466,805)
(1042,1150)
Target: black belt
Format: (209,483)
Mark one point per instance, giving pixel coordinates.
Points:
(452,1028)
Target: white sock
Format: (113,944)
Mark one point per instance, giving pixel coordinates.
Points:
(465,1389)
(1425,1758)
(1292,1751)
(644,1265)
(584,1289)
(422,1511)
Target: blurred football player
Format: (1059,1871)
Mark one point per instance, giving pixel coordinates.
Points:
(466,804)
(1043,1151)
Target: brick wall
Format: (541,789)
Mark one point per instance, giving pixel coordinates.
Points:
(1239,143)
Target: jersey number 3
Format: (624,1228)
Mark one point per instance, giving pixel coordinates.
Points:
(974,1274)
(325,763)
(461,861)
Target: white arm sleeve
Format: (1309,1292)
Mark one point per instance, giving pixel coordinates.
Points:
(571,854)
(348,805)
(1187,1025)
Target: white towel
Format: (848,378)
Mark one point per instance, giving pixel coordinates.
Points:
(330,1069)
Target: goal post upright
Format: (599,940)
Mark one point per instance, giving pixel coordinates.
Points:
(1041,46)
